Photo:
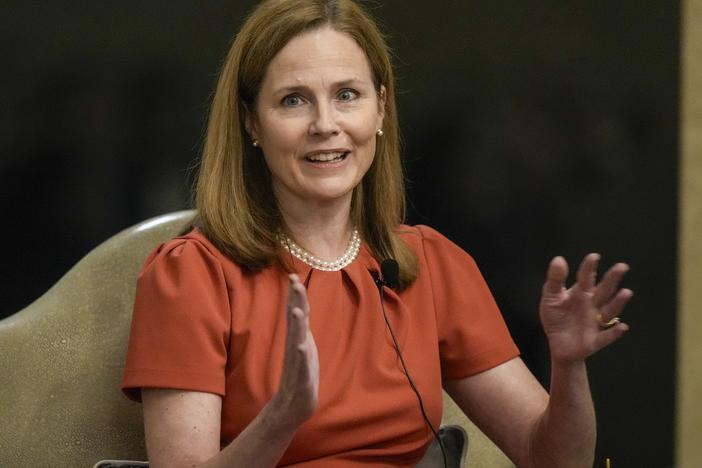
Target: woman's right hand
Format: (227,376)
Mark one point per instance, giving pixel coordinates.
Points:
(297,395)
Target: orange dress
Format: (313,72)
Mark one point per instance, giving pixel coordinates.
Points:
(201,322)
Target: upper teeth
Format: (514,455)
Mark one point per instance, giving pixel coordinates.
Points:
(325,156)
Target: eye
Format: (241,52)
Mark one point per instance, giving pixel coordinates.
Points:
(347,95)
(292,100)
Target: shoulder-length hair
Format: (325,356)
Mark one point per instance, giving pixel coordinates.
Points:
(234,196)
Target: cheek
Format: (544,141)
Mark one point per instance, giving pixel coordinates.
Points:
(282,135)
(363,131)
(366,149)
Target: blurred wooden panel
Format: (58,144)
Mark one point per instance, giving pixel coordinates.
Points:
(689,420)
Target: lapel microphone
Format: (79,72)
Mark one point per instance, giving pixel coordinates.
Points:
(390,272)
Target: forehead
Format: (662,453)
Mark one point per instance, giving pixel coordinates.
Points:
(318,54)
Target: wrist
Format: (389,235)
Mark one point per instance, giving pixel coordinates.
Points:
(568,377)
(565,365)
(281,414)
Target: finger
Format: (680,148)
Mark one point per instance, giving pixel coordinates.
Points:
(295,336)
(301,297)
(609,284)
(556,276)
(587,272)
(293,279)
(297,294)
(297,327)
(293,300)
(610,335)
(615,307)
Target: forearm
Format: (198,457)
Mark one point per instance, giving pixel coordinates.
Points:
(565,434)
(261,445)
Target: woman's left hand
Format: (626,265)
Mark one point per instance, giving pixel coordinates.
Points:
(575,319)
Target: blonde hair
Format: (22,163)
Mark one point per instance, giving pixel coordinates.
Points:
(234,197)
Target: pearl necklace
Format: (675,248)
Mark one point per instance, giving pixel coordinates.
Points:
(335,265)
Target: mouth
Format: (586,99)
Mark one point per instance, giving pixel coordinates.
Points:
(327,157)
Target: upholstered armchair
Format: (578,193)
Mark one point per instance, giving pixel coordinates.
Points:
(61,360)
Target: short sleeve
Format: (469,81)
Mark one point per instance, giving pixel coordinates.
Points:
(473,336)
(180,327)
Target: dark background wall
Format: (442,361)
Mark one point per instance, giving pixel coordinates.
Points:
(531,129)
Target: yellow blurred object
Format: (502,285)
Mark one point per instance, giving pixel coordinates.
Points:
(688,450)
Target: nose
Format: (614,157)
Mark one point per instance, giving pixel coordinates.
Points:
(324,121)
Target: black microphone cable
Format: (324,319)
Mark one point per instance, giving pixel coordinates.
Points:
(389,270)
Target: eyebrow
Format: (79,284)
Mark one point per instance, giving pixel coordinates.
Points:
(298,88)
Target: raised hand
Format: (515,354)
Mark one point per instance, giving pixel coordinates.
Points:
(299,382)
(576,320)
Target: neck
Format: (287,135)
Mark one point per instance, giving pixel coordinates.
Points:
(321,228)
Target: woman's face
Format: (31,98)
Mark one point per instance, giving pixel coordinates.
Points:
(316,117)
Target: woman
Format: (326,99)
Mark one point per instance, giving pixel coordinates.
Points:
(260,337)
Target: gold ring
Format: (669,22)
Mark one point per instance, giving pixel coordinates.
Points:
(605,325)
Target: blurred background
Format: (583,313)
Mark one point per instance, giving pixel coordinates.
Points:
(531,129)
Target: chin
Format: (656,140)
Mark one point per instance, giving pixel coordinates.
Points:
(331,194)
(332,190)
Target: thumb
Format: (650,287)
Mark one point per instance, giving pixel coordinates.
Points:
(556,276)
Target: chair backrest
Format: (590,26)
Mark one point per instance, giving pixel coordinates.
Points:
(61,359)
